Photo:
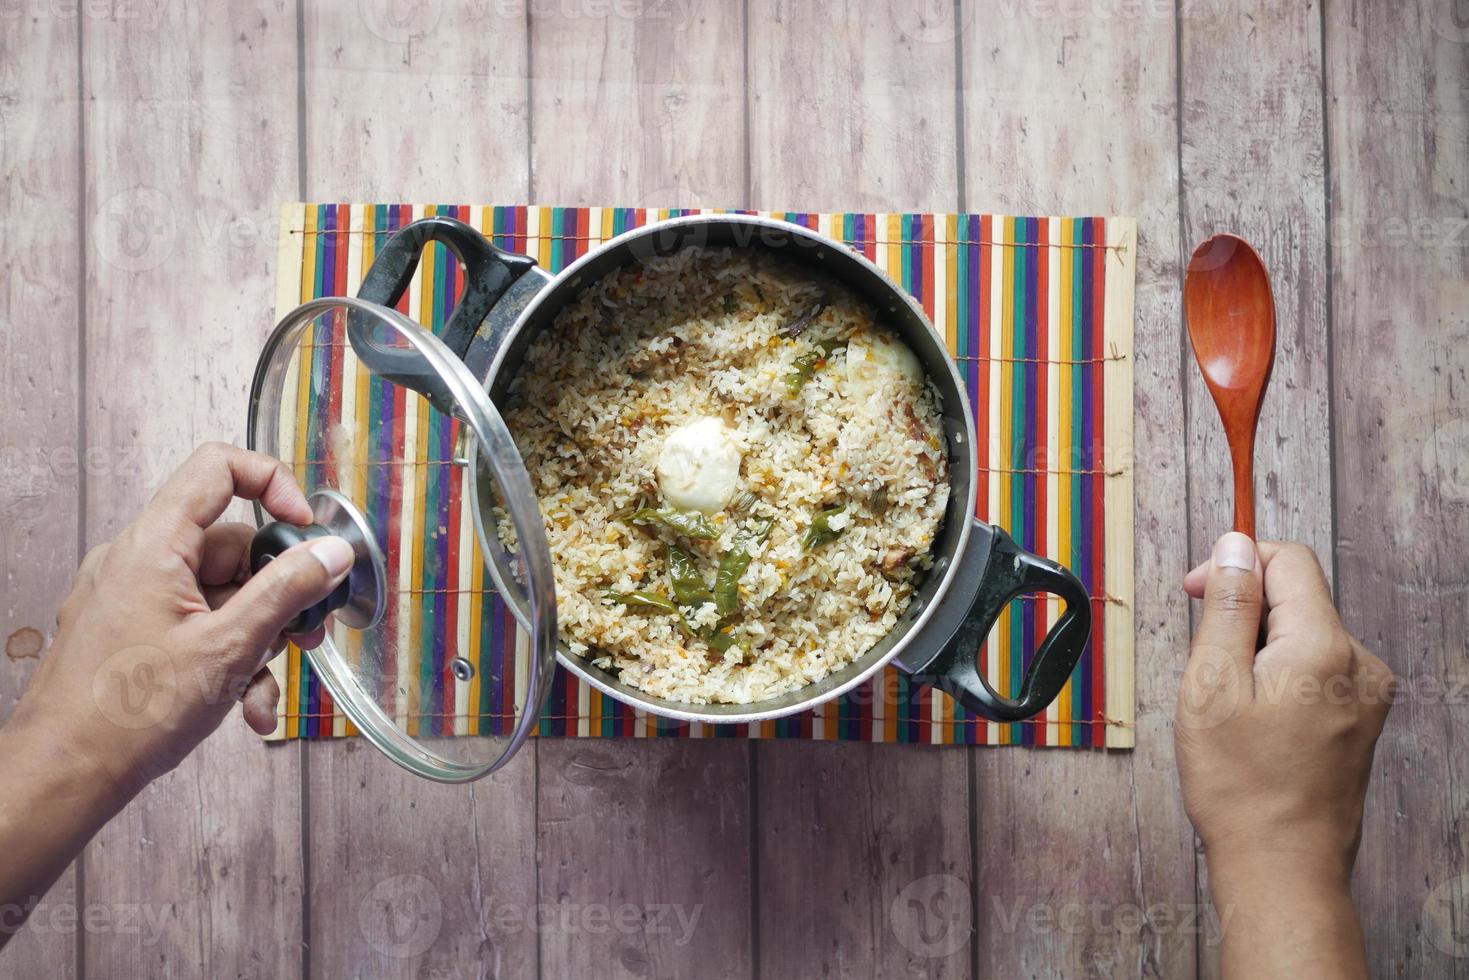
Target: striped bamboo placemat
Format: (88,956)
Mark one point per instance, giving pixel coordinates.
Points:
(1036,311)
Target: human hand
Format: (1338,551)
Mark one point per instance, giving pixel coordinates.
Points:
(1274,745)
(1275,742)
(165,628)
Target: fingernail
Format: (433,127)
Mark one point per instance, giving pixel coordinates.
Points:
(1235,550)
(335,555)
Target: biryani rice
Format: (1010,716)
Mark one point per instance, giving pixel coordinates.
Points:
(704,333)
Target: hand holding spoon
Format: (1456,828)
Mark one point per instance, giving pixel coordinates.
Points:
(1231,325)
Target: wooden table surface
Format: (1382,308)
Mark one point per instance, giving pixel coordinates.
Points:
(145,146)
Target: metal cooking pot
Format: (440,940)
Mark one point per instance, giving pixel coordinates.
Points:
(506,304)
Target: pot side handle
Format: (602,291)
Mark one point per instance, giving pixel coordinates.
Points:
(489,274)
(1009,571)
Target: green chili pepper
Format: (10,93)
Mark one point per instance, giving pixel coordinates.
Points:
(721,641)
(732,565)
(806,364)
(689,523)
(729,302)
(642,600)
(821,531)
(688,585)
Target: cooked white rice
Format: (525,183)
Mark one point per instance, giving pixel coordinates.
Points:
(703,332)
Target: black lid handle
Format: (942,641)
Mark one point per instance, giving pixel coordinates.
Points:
(359,599)
(274,539)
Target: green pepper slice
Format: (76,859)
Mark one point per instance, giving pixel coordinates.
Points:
(688,585)
(820,532)
(642,600)
(807,363)
(732,565)
(689,523)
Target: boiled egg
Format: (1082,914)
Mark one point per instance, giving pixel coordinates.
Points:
(875,361)
(699,466)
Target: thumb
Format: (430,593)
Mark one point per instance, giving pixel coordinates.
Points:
(296,578)
(1233,602)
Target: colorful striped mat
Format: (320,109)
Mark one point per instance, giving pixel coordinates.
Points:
(1038,314)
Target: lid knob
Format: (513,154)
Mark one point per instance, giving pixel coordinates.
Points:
(361,597)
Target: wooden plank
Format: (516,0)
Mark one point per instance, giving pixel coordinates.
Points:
(40,158)
(411,878)
(637,104)
(864,854)
(1255,68)
(1071,110)
(1270,88)
(190,135)
(1119,626)
(1398,119)
(643,110)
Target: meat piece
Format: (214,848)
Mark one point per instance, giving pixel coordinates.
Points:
(895,558)
(915,427)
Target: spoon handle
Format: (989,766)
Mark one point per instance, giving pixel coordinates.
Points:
(1243,457)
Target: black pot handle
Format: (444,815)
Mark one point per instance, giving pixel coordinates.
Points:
(1008,571)
(489,274)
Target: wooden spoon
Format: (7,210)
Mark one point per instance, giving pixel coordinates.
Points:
(1231,324)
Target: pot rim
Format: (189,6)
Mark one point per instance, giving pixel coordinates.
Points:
(681,711)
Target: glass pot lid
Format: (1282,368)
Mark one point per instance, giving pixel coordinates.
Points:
(395,441)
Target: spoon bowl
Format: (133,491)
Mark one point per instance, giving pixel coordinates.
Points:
(1230,310)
